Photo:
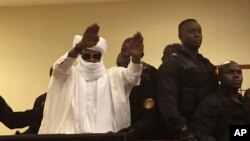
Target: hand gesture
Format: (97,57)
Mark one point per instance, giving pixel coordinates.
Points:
(90,37)
(135,48)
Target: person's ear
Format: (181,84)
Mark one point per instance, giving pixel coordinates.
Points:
(180,36)
(142,54)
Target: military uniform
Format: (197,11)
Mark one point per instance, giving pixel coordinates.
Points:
(182,83)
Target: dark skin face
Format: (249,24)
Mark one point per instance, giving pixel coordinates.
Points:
(91,56)
(123,57)
(231,76)
(191,36)
(122,60)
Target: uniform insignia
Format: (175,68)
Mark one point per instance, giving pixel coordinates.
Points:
(149,103)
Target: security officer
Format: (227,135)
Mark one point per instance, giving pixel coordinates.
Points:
(223,108)
(183,80)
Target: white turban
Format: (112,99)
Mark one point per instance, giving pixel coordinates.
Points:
(101,45)
(91,70)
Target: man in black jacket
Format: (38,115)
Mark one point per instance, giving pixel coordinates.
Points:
(144,119)
(223,108)
(184,79)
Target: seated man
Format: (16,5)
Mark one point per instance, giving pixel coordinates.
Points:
(14,120)
(217,111)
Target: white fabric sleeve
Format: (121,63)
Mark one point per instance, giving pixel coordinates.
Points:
(133,73)
(62,67)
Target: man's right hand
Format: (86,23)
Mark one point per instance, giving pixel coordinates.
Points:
(90,37)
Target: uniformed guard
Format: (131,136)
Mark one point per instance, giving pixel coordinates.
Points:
(183,80)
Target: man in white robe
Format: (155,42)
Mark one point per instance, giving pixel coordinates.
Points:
(87,98)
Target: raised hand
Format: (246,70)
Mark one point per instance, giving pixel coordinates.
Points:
(90,37)
(135,48)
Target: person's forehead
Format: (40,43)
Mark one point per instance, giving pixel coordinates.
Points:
(191,25)
(231,66)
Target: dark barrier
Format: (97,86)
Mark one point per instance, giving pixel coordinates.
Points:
(65,137)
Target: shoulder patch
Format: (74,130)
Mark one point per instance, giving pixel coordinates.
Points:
(149,103)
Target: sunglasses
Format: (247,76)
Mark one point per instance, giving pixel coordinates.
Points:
(96,56)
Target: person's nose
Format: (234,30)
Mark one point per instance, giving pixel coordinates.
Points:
(91,59)
(236,74)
